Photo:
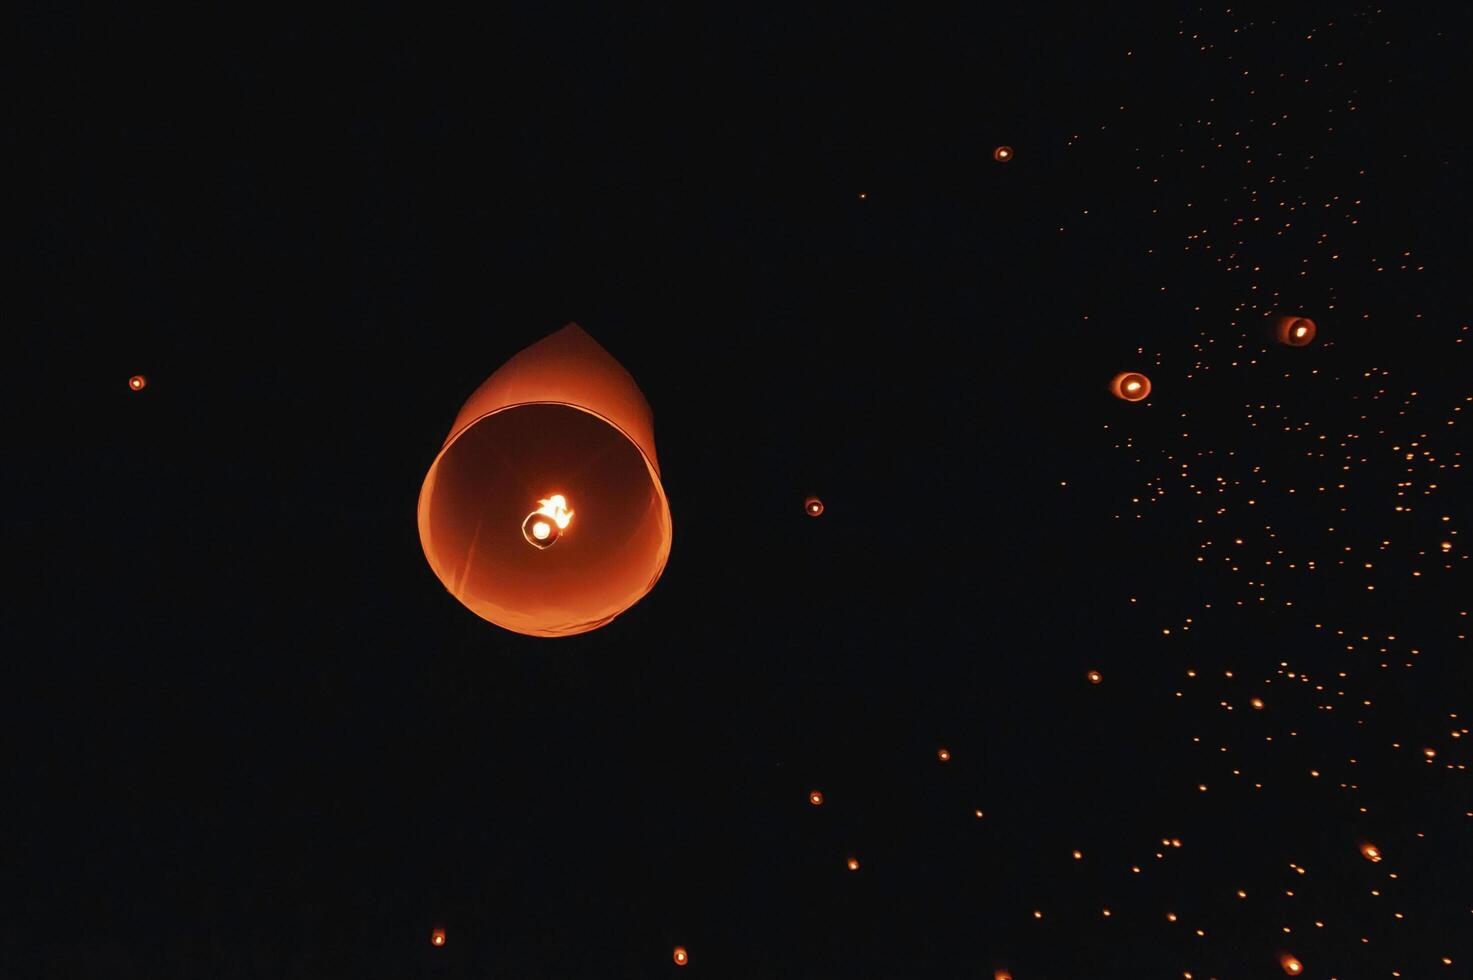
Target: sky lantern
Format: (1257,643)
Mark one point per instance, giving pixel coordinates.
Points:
(137,383)
(543,511)
(1371,852)
(944,754)
(437,936)
(852,864)
(1131,386)
(1295,331)
(1291,965)
(812,506)
(1003,154)
(1094,676)
(815,797)
(680,956)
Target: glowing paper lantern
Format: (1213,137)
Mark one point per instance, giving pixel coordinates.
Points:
(1094,677)
(556,448)
(437,937)
(1295,331)
(852,864)
(1291,966)
(943,754)
(1130,385)
(816,798)
(1002,154)
(680,956)
(137,383)
(812,506)
(1371,852)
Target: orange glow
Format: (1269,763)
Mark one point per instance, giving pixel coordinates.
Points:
(852,864)
(816,798)
(943,754)
(138,382)
(437,937)
(1094,677)
(680,956)
(560,419)
(1294,331)
(1291,966)
(1002,154)
(1371,852)
(812,506)
(1132,386)
(1001,975)
(1257,704)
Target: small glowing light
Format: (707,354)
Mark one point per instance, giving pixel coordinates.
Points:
(943,754)
(1257,704)
(1002,154)
(1094,677)
(1295,331)
(545,533)
(977,813)
(1001,975)
(816,798)
(812,506)
(437,937)
(1037,914)
(852,864)
(1078,855)
(680,956)
(137,383)
(1131,386)
(1291,966)
(1371,852)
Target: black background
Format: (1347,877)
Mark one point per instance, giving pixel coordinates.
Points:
(250,734)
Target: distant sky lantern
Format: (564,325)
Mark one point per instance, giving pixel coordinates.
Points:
(1001,975)
(1291,966)
(1094,677)
(1002,154)
(812,506)
(943,754)
(437,937)
(852,864)
(1295,331)
(815,797)
(137,383)
(556,447)
(1130,385)
(680,956)
(1371,852)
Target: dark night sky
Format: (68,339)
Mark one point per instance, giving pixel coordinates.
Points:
(247,733)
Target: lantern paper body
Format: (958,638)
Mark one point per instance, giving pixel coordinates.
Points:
(1002,154)
(1295,331)
(561,417)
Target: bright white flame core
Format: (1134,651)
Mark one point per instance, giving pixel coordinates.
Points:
(555,507)
(541,530)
